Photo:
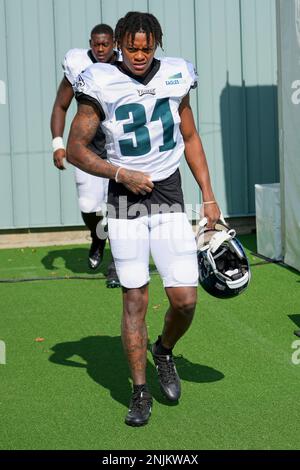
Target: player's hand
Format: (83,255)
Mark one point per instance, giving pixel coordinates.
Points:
(212,213)
(136,181)
(58,158)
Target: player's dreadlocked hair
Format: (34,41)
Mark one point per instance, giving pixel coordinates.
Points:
(136,22)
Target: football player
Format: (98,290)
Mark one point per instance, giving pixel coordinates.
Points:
(144,109)
(91,190)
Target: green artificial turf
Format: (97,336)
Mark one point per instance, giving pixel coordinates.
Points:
(240,388)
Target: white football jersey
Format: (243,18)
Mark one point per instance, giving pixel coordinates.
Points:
(75,61)
(141,121)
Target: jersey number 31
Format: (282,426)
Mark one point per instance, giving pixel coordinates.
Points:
(161,112)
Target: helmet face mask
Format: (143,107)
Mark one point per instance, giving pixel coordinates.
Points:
(223,265)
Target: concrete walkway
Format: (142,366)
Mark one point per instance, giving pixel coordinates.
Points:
(79,235)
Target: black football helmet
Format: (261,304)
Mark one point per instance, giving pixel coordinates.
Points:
(223,265)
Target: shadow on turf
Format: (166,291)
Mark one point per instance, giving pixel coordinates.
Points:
(295,317)
(105,363)
(76,260)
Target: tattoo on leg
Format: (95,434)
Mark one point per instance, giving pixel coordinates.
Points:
(135,338)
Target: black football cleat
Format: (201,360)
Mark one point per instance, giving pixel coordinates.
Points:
(96,253)
(168,377)
(139,409)
(112,279)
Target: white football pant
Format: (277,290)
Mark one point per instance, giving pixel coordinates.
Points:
(170,240)
(91,191)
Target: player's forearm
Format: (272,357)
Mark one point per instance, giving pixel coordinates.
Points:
(80,156)
(61,105)
(58,119)
(196,160)
(82,133)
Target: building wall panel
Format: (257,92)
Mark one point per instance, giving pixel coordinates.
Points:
(232,45)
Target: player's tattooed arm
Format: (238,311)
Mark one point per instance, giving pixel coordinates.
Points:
(83,130)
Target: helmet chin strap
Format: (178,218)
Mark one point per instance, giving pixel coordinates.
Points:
(203,221)
(239,282)
(219,275)
(232,284)
(220,237)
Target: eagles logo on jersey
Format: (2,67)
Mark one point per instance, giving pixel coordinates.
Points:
(147,92)
(142,129)
(79,83)
(75,61)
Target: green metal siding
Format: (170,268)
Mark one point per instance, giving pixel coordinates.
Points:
(232,44)
(220,124)
(6,195)
(236,60)
(259,62)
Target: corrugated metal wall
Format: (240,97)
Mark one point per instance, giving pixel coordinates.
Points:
(231,42)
